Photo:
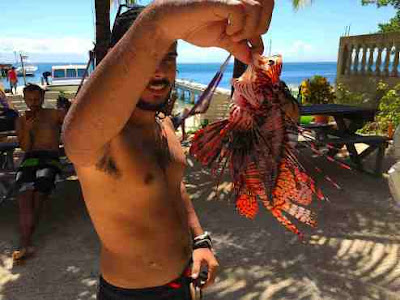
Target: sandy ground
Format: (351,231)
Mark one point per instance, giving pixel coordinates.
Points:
(354,253)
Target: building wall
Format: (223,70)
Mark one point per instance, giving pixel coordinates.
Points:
(365,60)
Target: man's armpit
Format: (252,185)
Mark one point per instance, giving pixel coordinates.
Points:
(107,163)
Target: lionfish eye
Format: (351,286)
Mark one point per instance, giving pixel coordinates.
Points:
(271,62)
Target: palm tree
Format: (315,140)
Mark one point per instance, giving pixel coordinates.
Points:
(300,3)
(103,32)
(102,8)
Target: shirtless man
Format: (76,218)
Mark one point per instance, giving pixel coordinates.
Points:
(130,163)
(38,131)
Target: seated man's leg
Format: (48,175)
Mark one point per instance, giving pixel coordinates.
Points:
(26,223)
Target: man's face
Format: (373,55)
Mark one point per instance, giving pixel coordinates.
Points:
(159,87)
(33,99)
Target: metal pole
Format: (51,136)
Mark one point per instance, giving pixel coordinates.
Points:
(23,68)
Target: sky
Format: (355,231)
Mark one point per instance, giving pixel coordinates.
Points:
(63,31)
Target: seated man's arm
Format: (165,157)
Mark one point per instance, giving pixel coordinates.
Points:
(23,128)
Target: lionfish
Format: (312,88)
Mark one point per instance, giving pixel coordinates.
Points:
(255,142)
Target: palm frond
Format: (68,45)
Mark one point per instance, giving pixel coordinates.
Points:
(297,4)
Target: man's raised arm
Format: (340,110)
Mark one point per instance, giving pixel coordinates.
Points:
(107,101)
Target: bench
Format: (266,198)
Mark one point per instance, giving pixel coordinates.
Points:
(375,143)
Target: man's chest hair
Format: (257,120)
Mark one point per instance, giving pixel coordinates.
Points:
(141,149)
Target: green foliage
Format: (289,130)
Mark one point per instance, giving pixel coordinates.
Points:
(316,90)
(389,110)
(392,26)
(379,3)
(344,96)
(394,23)
(389,106)
(300,3)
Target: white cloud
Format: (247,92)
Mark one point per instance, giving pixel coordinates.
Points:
(47,45)
(188,53)
(297,49)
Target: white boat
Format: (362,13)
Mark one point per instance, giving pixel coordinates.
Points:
(29,70)
(66,78)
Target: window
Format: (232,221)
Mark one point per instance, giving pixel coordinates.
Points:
(59,74)
(81,72)
(71,73)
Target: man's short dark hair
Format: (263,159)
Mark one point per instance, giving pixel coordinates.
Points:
(31,87)
(123,22)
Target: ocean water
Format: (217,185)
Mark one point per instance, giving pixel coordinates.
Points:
(292,73)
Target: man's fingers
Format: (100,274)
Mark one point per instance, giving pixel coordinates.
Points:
(257,45)
(266,16)
(196,268)
(233,14)
(212,273)
(252,12)
(235,21)
(239,50)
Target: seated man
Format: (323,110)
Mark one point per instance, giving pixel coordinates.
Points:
(8,115)
(38,131)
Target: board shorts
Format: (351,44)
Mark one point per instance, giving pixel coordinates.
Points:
(178,289)
(38,171)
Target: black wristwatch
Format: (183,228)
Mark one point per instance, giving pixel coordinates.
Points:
(202,241)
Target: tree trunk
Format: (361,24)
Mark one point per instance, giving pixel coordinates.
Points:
(102,29)
(238,70)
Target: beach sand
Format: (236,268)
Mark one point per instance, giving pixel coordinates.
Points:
(353,254)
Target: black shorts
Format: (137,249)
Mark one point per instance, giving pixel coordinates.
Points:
(38,171)
(178,289)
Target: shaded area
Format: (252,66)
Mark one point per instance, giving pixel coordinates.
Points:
(353,254)
(66,263)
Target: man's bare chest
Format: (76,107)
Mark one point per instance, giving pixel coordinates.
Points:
(146,157)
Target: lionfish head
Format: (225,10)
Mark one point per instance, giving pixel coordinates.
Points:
(262,74)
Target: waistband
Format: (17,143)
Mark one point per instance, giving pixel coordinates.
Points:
(41,158)
(184,279)
(42,154)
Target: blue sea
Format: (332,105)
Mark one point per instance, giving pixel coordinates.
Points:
(292,73)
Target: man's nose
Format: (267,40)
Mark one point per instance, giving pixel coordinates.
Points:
(160,71)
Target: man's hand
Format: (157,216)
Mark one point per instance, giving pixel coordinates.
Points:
(30,120)
(205,257)
(228,24)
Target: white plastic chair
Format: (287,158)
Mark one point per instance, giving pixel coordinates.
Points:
(394,172)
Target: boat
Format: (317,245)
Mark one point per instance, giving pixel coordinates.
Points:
(29,70)
(24,66)
(66,78)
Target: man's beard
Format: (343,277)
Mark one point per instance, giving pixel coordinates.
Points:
(155,107)
(151,106)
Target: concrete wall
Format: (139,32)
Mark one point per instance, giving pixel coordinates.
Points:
(365,60)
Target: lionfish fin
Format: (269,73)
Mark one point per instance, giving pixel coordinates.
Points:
(247,205)
(277,213)
(302,214)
